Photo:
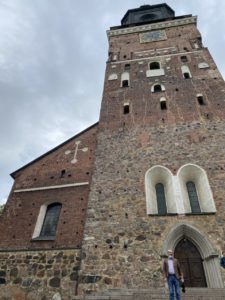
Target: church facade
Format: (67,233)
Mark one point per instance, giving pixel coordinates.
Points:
(100,211)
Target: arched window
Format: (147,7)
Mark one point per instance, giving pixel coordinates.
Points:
(163,105)
(126,108)
(125,79)
(160,196)
(51,220)
(46,225)
(200,99)
(157,87)
(193,197)
(195,190)
(186,75)
(161,199)
(125,83)
(155,65)
(186,72)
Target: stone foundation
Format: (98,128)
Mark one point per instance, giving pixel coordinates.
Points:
(41,275)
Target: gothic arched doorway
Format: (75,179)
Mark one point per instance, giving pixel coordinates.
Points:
(191,263)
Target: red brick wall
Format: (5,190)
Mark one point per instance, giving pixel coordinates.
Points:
(22,209)
(180,93)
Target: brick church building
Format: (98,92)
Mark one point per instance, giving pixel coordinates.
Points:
(98,212)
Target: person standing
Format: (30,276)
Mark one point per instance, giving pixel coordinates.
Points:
(222,260)
(222,263)
(172,274)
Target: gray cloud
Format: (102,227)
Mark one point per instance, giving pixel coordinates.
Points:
(52,61)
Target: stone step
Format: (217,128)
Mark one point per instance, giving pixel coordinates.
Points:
(157,294)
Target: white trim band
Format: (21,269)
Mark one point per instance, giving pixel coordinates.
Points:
(154,57)
(51,187)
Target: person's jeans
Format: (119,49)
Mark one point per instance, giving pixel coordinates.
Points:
(173,283)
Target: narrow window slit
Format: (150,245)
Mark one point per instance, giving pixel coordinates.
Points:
(126,109)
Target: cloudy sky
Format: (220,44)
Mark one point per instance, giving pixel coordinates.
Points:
(52,61)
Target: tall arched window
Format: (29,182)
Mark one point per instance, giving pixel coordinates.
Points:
(161,199)
(160,196)
(195,190)
(51,220)
(193,197)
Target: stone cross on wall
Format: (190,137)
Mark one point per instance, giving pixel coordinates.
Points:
(77,143)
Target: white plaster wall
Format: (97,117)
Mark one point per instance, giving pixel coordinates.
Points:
(157,72)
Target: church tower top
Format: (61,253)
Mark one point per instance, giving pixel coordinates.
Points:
(147,13)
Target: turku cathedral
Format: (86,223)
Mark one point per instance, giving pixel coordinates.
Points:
(94,217)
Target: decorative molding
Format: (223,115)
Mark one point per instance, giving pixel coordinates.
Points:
(153,57)
(51,187)
(75,151)
(148,27)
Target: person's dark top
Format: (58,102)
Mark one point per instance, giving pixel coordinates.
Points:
(222,262)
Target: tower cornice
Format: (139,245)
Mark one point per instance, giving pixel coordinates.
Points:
(153,26)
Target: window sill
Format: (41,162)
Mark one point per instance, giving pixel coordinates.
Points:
(185,214)
(200,213)
(43,238)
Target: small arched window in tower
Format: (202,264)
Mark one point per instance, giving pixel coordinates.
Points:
(125,79)
(157,87)
(193,197)
(186,75)
(186,72)
(184,58)
(62,174)
(51,220)
(125,83)
(126,108)
(163,105)
(155,69)
(155,65)
(200,99)
(161,199)
(127,67)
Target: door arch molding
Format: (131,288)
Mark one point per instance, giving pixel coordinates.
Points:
(204,246)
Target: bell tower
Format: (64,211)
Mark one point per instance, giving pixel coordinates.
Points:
(158,71)
(159,171)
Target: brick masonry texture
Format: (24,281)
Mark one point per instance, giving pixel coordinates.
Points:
(23,208)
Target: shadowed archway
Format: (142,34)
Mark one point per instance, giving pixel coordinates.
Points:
(208,254)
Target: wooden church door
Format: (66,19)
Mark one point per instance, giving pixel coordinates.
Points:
(191,264)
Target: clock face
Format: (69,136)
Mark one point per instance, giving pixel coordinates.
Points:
(151,36)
